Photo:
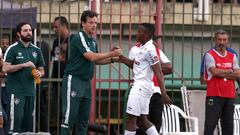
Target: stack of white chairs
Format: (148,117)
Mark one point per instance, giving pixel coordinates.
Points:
(236,116)
(171,124)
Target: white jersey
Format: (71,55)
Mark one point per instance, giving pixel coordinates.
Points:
(163,59)
(145,57)
(134,50)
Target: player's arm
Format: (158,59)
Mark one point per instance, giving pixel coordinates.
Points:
(157,71)
(101,58)
(202,79)
(126,61)
(210,65)
(235,75)
(9,68)
(107,61)
(219,72)
(40,72)
(167,68)
(165,63)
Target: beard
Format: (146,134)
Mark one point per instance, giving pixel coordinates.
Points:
(221,45)
(27,38)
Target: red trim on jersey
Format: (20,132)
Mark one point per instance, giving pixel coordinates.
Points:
(217,86)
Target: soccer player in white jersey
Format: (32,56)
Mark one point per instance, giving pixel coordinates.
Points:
(144,65)
(155,105)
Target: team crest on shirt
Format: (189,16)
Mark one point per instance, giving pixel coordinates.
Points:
(73,93)
(16,101)
(19,55)
(34,54)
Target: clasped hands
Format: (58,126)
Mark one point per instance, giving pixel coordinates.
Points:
(116,51)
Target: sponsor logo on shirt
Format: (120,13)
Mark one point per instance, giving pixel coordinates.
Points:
(224,65)
(19,55)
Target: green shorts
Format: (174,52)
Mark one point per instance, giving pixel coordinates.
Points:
(76,101)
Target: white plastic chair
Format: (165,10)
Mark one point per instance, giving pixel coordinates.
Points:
(236,116)
(171,121)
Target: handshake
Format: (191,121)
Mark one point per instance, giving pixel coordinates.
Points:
(116,51)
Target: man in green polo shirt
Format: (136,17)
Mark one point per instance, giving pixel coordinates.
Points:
(76,87)
(19,60)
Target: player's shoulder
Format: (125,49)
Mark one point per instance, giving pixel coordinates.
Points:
(229,49)
(134,48)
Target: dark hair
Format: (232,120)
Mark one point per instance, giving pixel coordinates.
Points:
(87,13)
(63,21)
(220,32)
(19,26)
(150,29)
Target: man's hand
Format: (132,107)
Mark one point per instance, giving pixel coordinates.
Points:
(36,73)
(29,64)
(166,99)
(115,47)
(116,52)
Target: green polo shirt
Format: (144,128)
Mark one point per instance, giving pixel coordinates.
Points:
(77,64)
(21,82)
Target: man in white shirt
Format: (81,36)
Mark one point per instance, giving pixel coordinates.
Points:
(145,63)
(155,105)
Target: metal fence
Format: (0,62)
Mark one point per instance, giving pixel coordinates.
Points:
(187,29)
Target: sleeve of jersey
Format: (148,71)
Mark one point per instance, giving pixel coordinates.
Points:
(132,53)
(235,62)
(9,55)
(163,57)
(209,61)
(152,57)
(80,43)
(41,61)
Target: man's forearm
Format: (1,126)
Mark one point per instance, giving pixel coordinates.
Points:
(8,68)
(220,72)
(126,61)
(235,75)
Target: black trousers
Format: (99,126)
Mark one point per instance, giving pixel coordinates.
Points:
(155,112)
(219,107)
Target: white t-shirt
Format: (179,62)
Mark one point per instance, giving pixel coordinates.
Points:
(133,51)
(163,59)
(145,57)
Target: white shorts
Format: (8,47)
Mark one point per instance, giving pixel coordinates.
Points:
(137,104)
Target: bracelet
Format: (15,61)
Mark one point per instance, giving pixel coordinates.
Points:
(112,61)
